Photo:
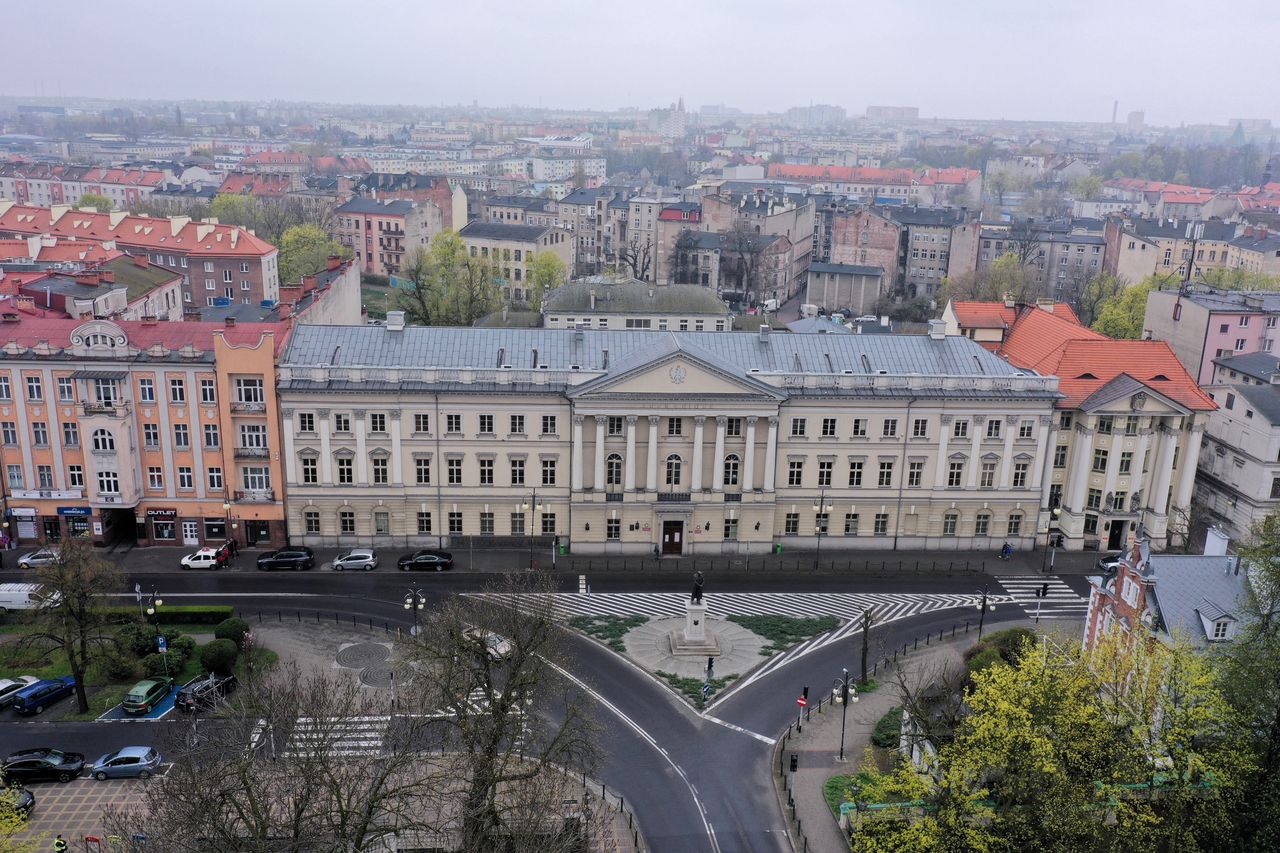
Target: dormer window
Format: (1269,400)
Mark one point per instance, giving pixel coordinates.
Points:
(98,340)
(1221,629)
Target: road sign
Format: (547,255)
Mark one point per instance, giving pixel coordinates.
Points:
(162,643)
(706,690)
(801,701)
(137,592)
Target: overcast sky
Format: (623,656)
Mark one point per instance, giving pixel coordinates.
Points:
(1180,60)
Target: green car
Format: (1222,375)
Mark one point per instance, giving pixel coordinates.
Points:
(146,695)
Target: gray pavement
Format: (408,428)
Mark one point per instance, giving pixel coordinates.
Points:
(650,646)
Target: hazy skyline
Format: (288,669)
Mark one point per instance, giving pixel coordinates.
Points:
(984,59)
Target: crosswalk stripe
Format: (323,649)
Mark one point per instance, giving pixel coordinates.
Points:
(1061,602)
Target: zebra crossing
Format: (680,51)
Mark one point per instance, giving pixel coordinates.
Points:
(1062,602)
(330,735)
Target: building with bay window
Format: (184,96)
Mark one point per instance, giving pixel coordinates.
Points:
(627,441)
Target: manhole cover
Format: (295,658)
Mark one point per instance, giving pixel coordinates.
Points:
(360,655)
(380,676)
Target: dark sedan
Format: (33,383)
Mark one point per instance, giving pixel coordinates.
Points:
(42,764)
(426,560)
(204,692)
(293,559)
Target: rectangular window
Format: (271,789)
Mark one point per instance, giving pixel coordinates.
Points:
(44,476)
(311,521)
(377,422)
(177,391)
(993,428)
(486,472)
(1060,456)
(257,478)
(730,528)
(424,523)
(1020,474)
(1026,429)
(791,524)
(146,390)
(75,476)
(955,475)
(855,474)
(824,473)
(675,426)
(346,470)
(1090,524)
(379,470)
(517,424)
(859,428)
(15,477)
(10,432)
(915,474)
(1099,461)
(949,524)
(982,524)
(66,389)
(453,424)
(1094,500)
(548,472)
(548,524)
(548,424)
(486,524)
(209,391)
(795,473)
(6,392)
(70,435)
(185,478)
(1064,422)
(155,478)
(211,435)
(733,427)
(920,428)
(422,423)
(821,523)
(1126,462)
(342,423)
(960,429)
(1104,424)
(798,426)
(517,472)
(486,424)
(890,428)
(34,389)
(181,436)
(517,524)
(453,472)
(455,523)
(1131,425)
(882,524)
(422,471)
(987,476)
(886,474)
(828,427)
(310,470)
(40,433)
(850,524)
(614,425)
(215,478)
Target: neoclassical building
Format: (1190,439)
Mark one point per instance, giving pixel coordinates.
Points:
(623,441)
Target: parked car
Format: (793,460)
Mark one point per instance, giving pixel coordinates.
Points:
(496,646)
(9,687)
(204,692)
(35,698)
(426,559)
(130,762)
(38,558)
(144,696)
(205,558)
(365,559)
(1108,562)
(297,559)
(23,800)
(42,764)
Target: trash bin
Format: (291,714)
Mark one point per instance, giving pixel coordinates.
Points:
(777,548)
(564,548)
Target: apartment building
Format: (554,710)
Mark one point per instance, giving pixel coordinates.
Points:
(763,212)
(1138,247)
(1203,323)
(1126,436)
(519,210)
(1256,250)
(604,302)
(141,432)
(214,260)
(511,249)
(627,441)
(1059,261)
(121,288)
(382,234)
(49,184)
(450,198)
(582,212)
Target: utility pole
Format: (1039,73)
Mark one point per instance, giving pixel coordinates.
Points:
(866,642)
(983,607)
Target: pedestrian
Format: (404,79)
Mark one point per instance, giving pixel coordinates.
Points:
(657,555)
(59,845)
(235,547)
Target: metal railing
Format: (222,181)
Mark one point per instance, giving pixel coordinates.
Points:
(252,452)
(255,496)
(674,497)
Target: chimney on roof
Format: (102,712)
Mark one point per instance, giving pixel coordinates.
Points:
(764,333)
(937,330)
(395,321)
(139,261)
(308,283)
(1009,301)
(107,276)
(284,310)
(333,262)
(230,322)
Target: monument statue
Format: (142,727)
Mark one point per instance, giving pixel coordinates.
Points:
(697,588)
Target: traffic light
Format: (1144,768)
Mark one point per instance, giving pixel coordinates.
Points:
(795,762)
(1043,592)
(806,692)
(844,692)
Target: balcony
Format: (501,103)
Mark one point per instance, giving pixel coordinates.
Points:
(674,497)
(112,408)
(249,407)
(733,497)
(613,497)
(255,496)
(253,452)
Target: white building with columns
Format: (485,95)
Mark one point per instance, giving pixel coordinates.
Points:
(627,441)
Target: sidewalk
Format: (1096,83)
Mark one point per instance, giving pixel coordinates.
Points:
(818,745)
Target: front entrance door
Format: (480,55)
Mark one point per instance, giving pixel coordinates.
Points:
(672,533)
(190,533)
(1115,539)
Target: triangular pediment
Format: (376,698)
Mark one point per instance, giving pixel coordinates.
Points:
(673,369)
(1126,395)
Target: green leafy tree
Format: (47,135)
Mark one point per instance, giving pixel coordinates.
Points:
(446,286)
(1121,315)
(1004,277)
(15,835)
(1094,294)
(305,250)
(99,202)
(233,209)
(1240,279)
(1088,187)
(545,274)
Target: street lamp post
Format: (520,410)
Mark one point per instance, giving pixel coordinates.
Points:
(226,519)
(820,509)
(1050,541)
(846,696)
(532,507)
(983,607)
(415,600)
(153,608)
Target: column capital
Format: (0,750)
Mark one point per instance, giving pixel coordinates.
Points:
(947,419)
(1012,419)
(699,420)
(751,420)
(1081,429)
(358,414)
(601,419)
(322,414)
(773,422)
(721,420)
(1046,420)
(578,419)
(288,413)
(631,420)
(1197,428)
(979,419)
(653,420)
(394,414)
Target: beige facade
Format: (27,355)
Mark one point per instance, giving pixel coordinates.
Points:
(623,442)
(601,302)
(511,249)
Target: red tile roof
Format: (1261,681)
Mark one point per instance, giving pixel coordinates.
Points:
(996,315)
(1085,361)
(949,175)
(188,236)
(172,335)
(255,183)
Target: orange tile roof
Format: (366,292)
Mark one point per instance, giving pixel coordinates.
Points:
(1085,361)
(170,334)
(146,232)
(255,183)
(996,315)
(949,175)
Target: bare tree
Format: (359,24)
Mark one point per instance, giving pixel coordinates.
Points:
(683,262)
(930,693)
(1024,239)
(746,247)
(637,254)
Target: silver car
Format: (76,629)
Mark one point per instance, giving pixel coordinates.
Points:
(128,762)
(35,559)
(363,559)
(9,687)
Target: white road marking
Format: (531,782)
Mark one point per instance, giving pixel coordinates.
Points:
(747,732)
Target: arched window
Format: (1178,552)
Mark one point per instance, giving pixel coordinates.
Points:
(1015,524)
(949,522)
(103,440)
(347,522)
(613,470)
(982,524)
(311,521)
(673,470)
(731,466)
(99,340)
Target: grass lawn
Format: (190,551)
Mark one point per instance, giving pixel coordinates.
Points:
(608,629)
(691,688)
(40,661)
(378,299)
(783,632)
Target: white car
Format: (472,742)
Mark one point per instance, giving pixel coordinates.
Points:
(364,559)
(35,559)
(866,318)
(496,646)
(10,686)
(205,558)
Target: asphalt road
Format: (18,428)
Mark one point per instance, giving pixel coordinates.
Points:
(696,783)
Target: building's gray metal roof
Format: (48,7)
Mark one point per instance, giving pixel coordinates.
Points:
(634,297)
(502,231)
(846,269)
(1255,365)
(1185,582)
(394,207)
(562,349)
(1264,399)
(1242,301)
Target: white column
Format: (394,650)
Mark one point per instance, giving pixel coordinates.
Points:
(629,476)
(597,482)
(1113,464)
(577,453)
(695,483)
(1188,459)
(290,461)
(1137,480)
(1045,446)
(651,480)
(362,455)
(326,450)
(1006,464)
(771,455)
(975,447)
(749,458)
(717,473)
(940,475)
(397,461)
(1080,464)
(1166,441)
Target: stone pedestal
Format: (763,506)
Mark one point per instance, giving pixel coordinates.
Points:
(695,640)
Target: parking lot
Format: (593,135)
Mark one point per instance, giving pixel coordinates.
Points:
(75,809)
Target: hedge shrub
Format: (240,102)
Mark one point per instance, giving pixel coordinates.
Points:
(888,731)
(232,629)
(157,665)
(192,614)
(219,656)
(135,638)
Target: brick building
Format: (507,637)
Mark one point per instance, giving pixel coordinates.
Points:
(383,233)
